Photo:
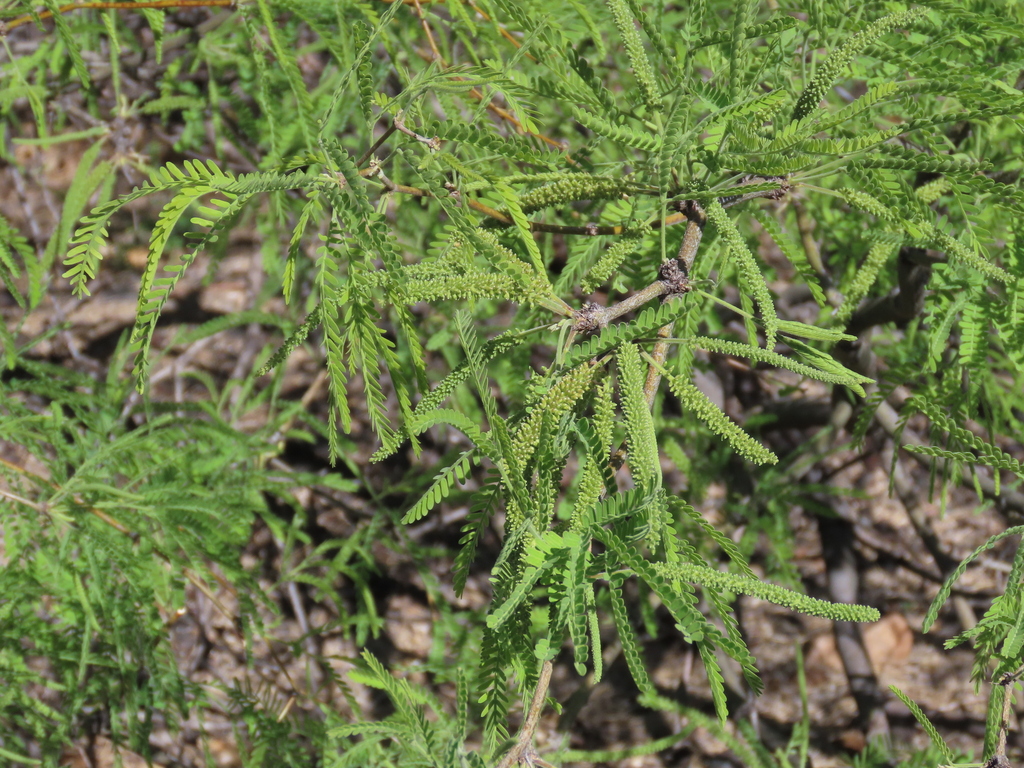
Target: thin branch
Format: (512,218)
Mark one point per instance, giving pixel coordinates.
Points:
(688,210)
(658,354)
(501,28)
(598,316)
(999,758)
(16,498)
(589,230)
(434,143)
(674,281)
(696,219)
(675,274)
(522,750)
(426,29)
(805,224)
(508,117)
(376,145)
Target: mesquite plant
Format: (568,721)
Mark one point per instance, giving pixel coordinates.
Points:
(613,174)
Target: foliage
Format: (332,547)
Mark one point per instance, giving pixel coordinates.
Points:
(436,173)
(127,508)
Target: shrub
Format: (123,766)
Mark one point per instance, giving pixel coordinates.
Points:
(580,205)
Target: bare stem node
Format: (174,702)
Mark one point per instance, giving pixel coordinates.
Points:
(434,143)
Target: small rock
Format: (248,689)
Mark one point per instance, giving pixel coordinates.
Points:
(225,297)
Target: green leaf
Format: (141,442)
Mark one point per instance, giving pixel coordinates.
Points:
(523,225)
(752,278)
(642,69)
(948,757)
(644,462)
(947,586)
(440,488)
(746,585)
(627,636)
(830,70)
(697,402)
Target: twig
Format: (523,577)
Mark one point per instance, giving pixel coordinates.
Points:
(434,143)
(999,759)
(376,145)
(590,230)
(674,281)
(658,354)
(375,171)
(522,750)
(675,274)
(505,115)
(501,28)
(426,29)
(689,210)
(41,508)
(696,219)
(805,224)
(604,315)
